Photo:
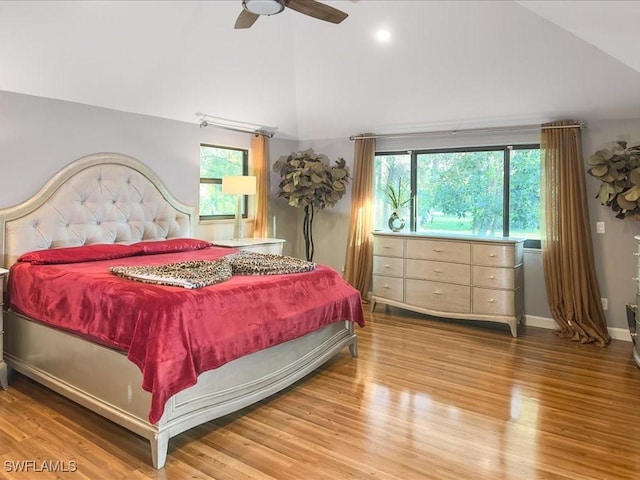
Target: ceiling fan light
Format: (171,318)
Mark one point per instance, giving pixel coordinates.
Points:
(263,7)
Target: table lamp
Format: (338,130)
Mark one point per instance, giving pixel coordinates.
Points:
(238,185)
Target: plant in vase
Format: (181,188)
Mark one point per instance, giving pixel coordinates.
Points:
(398,198)
(309,181)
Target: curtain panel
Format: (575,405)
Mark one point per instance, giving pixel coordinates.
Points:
(260,167)
(359,257)
(567,251)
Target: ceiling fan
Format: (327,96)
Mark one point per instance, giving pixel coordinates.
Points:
(252,9)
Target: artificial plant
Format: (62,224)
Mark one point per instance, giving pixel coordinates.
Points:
(308,180)
(618,168)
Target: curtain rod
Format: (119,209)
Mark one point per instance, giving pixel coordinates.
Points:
(207,123)
(521,128)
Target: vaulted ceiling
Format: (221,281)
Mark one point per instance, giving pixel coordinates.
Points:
(448,64)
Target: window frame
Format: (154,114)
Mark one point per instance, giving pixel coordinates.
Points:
(218,181)
(506,165)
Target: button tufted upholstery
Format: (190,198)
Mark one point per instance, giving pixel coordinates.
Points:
(104,198)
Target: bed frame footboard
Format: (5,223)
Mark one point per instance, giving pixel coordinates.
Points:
(106,382)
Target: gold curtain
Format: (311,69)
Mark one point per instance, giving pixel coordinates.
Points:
(359,259)
(567,251)
(260,167)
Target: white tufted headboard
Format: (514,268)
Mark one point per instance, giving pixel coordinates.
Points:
(101,198)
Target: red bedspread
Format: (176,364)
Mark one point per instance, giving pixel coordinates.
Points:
(173,334)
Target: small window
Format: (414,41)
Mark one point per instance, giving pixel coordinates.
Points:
(217,162)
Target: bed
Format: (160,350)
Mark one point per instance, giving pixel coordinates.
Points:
(107,210)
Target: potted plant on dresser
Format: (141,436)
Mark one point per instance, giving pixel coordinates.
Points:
(399,198)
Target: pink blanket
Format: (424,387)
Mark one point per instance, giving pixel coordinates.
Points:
(173,334)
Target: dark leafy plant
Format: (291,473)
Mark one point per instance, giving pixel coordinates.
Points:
(398,197)
(618,168)
(309,181)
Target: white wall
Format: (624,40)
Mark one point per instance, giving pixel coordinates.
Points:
(39,136)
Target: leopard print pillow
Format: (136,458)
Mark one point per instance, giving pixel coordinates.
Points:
(253,263)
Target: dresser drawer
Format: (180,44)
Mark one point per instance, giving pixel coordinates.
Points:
(388,287)
(388,247)
(494,302)
(389,266)
(493,277)
(494,255)
(443,297)
(443,251)
(438,271)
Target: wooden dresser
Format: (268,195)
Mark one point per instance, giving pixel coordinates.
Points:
(3,365)
(450,276)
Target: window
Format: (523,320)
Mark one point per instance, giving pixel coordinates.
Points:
(485,191)
(215,163)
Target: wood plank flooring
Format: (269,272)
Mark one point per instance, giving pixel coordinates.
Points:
(425,399)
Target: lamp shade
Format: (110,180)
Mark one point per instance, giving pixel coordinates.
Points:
(239,185)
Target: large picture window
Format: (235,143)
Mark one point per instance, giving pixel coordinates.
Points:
(217,162)
(487,191)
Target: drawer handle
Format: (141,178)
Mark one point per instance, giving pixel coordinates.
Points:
(387,287)
(491,277)
(437,250)
(387,246)
(437,270)
(492,255)
(437,292)
(492,300)
(387,266)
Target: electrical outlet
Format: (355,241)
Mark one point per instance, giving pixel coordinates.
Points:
(605,303)
(599,227)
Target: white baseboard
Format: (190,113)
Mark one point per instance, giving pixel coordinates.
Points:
(543,322)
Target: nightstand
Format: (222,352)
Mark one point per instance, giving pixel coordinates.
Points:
(259,245)
(3,366)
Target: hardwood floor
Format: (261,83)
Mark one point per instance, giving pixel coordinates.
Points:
(426,399)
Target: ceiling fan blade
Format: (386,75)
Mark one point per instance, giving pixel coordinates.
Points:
(317,10)
(245,19)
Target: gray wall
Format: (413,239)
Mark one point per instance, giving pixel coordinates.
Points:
(39,136)
(616,266)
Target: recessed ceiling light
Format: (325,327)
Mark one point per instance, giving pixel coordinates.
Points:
(383,35)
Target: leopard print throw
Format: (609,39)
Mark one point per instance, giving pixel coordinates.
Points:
(201,273)
(192,274)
